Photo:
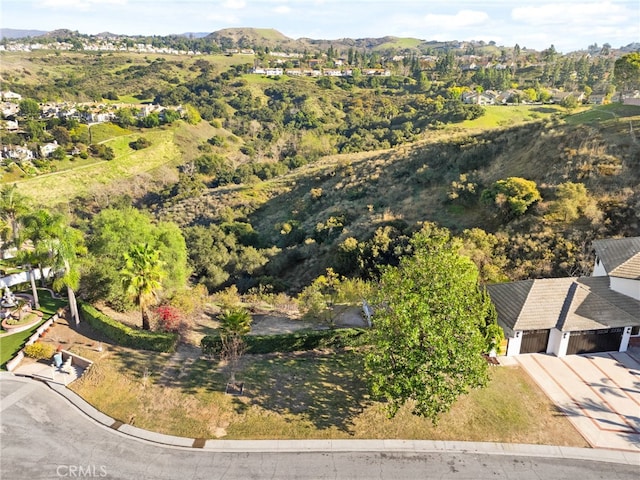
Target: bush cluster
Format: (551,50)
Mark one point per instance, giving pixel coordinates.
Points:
(290,342)
(127,336)
(39,350)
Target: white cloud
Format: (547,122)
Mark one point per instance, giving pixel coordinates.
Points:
(234,4)
(226,19)
(79,4)
(462,19)
(283,9)
(594,13)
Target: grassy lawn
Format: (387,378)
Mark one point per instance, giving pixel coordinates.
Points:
(504,116)
(11,344)
(600,113)
(303,396)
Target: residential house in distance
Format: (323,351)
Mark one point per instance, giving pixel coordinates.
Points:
(564,316)
(557,96)
(48,148)
(16,153)
(488,97)
(10,96)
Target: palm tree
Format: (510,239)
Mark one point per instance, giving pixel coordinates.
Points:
(57,245)
(12,205)
(65,253)
(234,325)
(41,228)
(141,277)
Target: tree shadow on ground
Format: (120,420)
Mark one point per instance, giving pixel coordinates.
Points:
(544,110)
(324,388)
(141,363)
(602,414)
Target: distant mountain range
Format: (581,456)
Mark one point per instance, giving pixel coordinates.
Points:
(13,33)
(271,38)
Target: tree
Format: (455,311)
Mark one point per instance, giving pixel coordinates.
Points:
(192,115)
(626,71)
(29,108)
(114,231)
(141,277)
(61,135)
(125,117)
(12,205)
(426,342)
(65,249)
(150,121)
(511,197)
(319,298)
(572,201)
(234,325)
(57,245)
(569,102)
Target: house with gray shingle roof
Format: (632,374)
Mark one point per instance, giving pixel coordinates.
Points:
(619,259)
(579,314)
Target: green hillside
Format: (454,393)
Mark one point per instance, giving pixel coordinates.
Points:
(169,147)
(310,212)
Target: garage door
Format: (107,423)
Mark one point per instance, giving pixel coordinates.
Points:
(534,341)
(593,341)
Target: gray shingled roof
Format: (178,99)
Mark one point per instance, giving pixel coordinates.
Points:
(620,256)
(569,304)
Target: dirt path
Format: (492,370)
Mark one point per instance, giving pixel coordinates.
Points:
(178,365)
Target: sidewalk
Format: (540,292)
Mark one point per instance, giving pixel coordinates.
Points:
(266,446)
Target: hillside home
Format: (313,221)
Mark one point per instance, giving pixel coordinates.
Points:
(484,98)
(557,96)
(9,109)
(10,125)
(48,148)
(597,98)
(16,153)
(8,95)
(564,316)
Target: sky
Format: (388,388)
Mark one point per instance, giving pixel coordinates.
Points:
(567,24)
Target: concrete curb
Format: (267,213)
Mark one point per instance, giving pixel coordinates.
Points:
(338,445)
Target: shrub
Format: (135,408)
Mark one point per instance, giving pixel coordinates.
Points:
(39,350)
(290,342)
(169,319)
(140,143)
(125,335)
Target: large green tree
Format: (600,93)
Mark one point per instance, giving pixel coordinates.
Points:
(626,72)
(112,233)
(427,339)
(142,277)
(511,197)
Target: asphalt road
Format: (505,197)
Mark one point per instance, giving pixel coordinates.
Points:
(44,437)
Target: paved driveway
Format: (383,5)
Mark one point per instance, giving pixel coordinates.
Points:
(600,393)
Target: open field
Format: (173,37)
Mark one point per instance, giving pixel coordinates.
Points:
(509,115)
(316,394)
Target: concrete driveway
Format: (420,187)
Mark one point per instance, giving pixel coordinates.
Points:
(600,393)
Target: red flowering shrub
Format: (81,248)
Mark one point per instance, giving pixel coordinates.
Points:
(169,319)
